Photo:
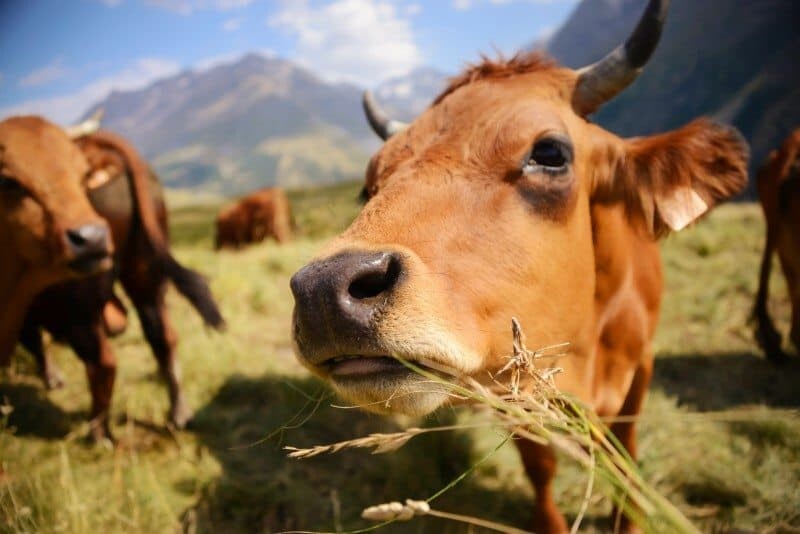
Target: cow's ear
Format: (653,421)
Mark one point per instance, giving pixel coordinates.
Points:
(671,179)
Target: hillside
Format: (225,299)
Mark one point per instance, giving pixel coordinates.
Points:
(253,122)
(732,59)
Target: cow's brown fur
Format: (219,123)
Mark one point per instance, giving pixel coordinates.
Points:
(258,216)
(83,312)
(573,255)
(778,185)
(45,199)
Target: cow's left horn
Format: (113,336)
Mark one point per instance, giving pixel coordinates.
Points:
(600,82)
(380,122)
(89,126)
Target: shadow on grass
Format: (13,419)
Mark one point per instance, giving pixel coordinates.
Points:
(34,414)
(722,381)
(260,489)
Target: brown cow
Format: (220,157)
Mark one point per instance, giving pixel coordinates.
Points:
(502,200)
(125,192)
(48,230)
(778,185)
(254,218)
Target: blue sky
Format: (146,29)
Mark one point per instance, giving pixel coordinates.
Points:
(57,57)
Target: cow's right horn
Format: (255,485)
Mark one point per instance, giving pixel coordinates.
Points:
(380,122)
(89,126)
(600,82)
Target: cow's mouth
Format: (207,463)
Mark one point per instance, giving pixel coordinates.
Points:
(359,366)
(91,263)
(366,367)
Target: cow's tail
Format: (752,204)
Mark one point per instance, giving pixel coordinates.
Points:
(189,283)
(194,287)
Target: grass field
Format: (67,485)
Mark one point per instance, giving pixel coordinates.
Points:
(736,467)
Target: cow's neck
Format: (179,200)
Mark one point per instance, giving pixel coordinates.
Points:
(627,293)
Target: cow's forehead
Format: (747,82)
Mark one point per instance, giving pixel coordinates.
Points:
(39,154)
(486,123)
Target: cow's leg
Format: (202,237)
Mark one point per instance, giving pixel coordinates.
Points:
(540,464)
(115,316)
(789,248)
(162,339)
(766,334)
(92,346)
(31,339)
(625,431)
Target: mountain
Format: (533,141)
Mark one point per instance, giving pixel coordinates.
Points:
(405,97)
(250,123)
(735,60)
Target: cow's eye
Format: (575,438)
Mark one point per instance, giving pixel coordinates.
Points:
(10,185)
(548,155)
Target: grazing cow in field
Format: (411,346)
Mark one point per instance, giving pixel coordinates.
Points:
(778,186)
(48,229)
(83,312)
(502,200)
(254,218)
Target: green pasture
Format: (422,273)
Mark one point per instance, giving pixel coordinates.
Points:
(718,436)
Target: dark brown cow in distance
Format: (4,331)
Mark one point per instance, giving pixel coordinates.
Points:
(778,184)
(48,230)
(127,194)
(502,200)
(254,218)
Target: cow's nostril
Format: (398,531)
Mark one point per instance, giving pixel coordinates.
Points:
(376,277)
(76,238)
(88,239)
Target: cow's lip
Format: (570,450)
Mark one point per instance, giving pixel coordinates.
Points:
(358,365)
(91,263)
(355,366)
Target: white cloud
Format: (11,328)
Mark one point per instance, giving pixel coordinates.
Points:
(110,3)
(67,108)
(187,7)
(462,4)
(360,41)
(55,70)
(413,9)
(231,25)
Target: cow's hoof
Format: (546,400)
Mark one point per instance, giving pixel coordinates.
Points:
(770,341)
(100,433)
(181,417)
(102,439)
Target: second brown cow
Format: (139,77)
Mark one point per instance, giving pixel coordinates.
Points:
(254,218)
(124,191)
(779,192)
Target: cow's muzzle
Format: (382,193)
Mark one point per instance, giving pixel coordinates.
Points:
(89,248)
(338,302)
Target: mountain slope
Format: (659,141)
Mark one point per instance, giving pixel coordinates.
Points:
(218,129)
(733,59)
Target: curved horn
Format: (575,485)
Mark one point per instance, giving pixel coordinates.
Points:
(89,126)
(380,122)
(600,82)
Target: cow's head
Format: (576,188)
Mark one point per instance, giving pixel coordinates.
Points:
(46,221)
(481,210)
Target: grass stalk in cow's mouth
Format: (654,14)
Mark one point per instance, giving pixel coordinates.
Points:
(529,406)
